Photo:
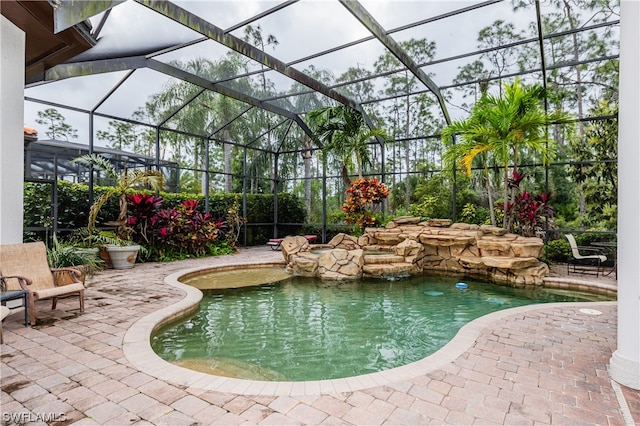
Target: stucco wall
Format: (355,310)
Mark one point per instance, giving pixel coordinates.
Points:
(12,45)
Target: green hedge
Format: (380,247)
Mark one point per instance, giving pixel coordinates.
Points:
(73,207)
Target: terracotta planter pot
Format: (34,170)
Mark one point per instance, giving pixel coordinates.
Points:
(65,278)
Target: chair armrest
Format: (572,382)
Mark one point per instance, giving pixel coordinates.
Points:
(64,276)
(23,281)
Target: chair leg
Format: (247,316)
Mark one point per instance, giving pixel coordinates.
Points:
(32,310)
(54,303)
(81,297)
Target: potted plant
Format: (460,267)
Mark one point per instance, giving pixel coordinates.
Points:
(94,243)
(61,255)
(123,255)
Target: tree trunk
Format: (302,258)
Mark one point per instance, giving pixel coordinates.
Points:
(227,161)
(306,155)
(490,196)
(407,185)
(505,219)
(272,174)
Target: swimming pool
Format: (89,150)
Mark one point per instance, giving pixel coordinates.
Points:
(300,329)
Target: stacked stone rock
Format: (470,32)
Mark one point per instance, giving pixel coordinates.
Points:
(408,245)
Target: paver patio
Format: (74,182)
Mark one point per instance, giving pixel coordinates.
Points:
(543,365)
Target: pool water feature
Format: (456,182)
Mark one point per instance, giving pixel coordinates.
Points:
(300,329)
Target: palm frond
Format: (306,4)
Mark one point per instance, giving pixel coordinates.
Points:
(100,162)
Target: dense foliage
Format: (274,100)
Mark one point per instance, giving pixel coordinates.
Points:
(174,232)
(73,205)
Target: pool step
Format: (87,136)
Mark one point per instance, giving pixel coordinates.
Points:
(378,248)
(387,269)
(230,367)
(377,259)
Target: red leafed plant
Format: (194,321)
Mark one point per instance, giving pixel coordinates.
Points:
(187,228)
(526,214)
(143,216)
(530,211)
(361,196)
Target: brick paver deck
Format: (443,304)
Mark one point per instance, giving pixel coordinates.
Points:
(541,365)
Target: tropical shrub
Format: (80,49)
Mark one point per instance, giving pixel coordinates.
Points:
(530,212)
(231,230)
(362,196)
(557,251)
(143,217)
(434,196)
(61,255)
(469,213)
(187,229)
(425,208)
(175,232)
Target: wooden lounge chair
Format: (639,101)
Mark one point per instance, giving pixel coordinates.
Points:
(580,260)
(25,267)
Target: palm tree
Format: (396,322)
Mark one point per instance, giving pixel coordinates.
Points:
(465,153)
(504,127)
(345,134)
(124,181)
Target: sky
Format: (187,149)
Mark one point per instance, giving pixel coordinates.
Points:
(302,29)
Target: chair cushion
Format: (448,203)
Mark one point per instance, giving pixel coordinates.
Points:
(4,312)
(58,291)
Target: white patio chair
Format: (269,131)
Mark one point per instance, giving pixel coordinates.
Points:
(579,260)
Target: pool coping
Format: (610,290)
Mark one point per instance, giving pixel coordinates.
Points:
(138,351)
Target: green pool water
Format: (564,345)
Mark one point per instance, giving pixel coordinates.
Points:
(306,329)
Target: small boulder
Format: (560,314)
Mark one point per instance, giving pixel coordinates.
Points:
(293,245)
(344,241)
(303,266)
(492,230)
(340,264)
(366,240)
(439,223)
(407,220)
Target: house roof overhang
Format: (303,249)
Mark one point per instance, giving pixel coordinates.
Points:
(44,49)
